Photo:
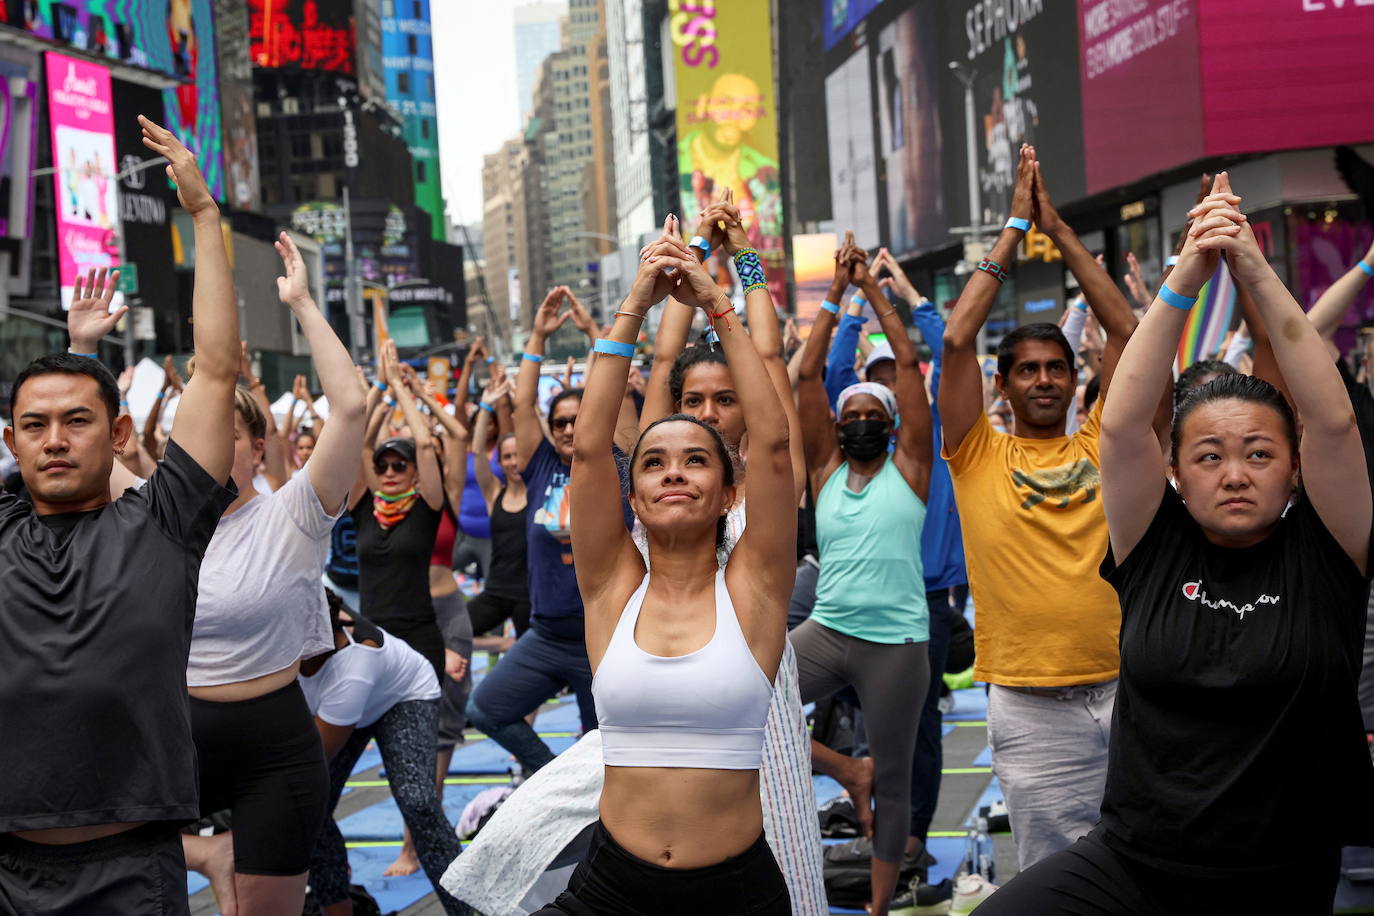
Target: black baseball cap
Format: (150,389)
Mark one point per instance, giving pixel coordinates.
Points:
(403,447)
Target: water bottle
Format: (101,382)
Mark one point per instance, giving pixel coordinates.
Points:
(985,862)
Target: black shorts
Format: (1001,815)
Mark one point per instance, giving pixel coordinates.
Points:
(262,759)
(612,882)
(139,871)
(489,611)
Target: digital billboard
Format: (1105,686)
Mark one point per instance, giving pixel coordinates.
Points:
(849,136)
(410,92)
(308,34)
(910,68)
(81,115)
(20,93)
(841,16)
(1139,68)
(1015,54)
(175,37)
(727,120)
(242,181)
(1297,74)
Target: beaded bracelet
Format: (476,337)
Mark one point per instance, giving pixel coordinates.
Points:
(750,268)
(991,267)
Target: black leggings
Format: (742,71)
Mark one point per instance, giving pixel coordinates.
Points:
(405,735)
(611,882)
(489,611)
(1092,879)
(262,759)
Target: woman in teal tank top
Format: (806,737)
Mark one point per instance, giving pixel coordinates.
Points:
(870,623)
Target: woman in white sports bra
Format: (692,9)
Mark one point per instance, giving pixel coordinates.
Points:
(684,659)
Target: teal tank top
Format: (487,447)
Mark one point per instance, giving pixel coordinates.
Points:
(871,583)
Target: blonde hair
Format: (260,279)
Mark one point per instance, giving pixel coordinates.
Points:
(250,412)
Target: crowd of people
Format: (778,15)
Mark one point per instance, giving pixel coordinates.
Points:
(201,632)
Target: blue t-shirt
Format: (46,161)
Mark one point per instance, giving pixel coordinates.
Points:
(473,519)
(555,602)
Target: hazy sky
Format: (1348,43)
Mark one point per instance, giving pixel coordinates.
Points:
(474,80)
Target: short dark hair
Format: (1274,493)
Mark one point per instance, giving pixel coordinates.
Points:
(1193,376)
(1091,392)
(70,364)
(1235,386)
(688,360)
(563,395)
(722,452)
(1040,330)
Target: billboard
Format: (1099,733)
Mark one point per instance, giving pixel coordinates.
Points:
(910,67)
(849,138)
(309,34)
(841,16)
(1125,48)
(410,93)
(1014,53)
(727,120)
(81,115)
(19,99)
(176,37)
(147,205)
(242,183)
(813,267)
(1297,74)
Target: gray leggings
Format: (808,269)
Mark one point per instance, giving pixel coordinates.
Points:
(891,682)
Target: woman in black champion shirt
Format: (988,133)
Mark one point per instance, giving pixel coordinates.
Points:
(1237,754)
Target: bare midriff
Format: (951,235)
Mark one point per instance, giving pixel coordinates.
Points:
(441,582)
(65,836)
(247,690)
(676,817)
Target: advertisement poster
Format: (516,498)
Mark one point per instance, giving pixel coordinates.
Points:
(813,267)
(81,112)
(853,162)
(147,205)
(1124,47)
(727,121)
(1024,91)
(1298,73)
(841,16)
(239,134)
(309,34)
(20,92)
(909,72)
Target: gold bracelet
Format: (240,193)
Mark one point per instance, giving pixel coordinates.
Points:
(628,314)
(891,311)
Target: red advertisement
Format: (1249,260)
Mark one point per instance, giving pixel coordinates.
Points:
(1286,74)
(1142,102)
(309,34)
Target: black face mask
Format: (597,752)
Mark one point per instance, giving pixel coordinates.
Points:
(864,440)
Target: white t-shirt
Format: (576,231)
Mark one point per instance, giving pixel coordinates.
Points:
(358,684)
(261,606)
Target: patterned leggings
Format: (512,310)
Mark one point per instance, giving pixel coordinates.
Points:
(405,735)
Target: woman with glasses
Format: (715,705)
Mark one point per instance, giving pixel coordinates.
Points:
(398,502)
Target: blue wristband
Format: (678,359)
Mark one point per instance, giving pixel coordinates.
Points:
(533,357)
(1365,267)
(1171,260)
(830,307)
(123,403)
(490,360)
(161,395)
(487,407)
(1017,222)
(613,347)
(1177,300)
(380,386)
(859,300)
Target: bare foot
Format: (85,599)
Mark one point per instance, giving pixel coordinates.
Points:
(858,782)
(213,857)
(407,863)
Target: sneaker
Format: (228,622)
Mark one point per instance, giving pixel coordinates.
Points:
(969,891)
(998,819)
(946,704)
(839,819)
(921,899)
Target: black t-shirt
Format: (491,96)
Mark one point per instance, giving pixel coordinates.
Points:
(1363,402)
(95,629)
(393,566)
(1237,726)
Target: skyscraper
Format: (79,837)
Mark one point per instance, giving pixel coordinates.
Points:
(536,37)
(408,60)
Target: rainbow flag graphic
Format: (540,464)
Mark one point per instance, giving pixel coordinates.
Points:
(1209,320)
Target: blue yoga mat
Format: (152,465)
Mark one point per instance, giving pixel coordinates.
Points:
(383,820)
(195,883)
(948,853)
(561,718)
(481,757)
(392,894)
(984,758)
(970,705)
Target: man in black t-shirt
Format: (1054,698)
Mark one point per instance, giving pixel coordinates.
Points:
(98,602)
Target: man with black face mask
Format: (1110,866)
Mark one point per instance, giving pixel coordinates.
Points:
(1034,534)
(871,622)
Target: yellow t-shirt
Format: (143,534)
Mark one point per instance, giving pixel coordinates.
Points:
(1034,538)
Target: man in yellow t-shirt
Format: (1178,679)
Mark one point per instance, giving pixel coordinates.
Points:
(1034,535)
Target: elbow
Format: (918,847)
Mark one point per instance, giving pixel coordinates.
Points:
(349,405)
(954,341)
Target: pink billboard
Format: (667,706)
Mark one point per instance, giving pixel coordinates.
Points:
(1142,100)
(1286,74)
(81,112)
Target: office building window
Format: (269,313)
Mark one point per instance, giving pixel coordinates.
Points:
(403,83)
(424,128)
(413,45)
(420,171)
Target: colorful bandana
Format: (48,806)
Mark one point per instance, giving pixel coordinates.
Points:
(390,511)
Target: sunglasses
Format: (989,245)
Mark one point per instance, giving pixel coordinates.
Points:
(562,423)
(396,466)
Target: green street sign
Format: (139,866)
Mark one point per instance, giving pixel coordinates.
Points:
(128,279)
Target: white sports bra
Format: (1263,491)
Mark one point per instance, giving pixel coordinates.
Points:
(703,710)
